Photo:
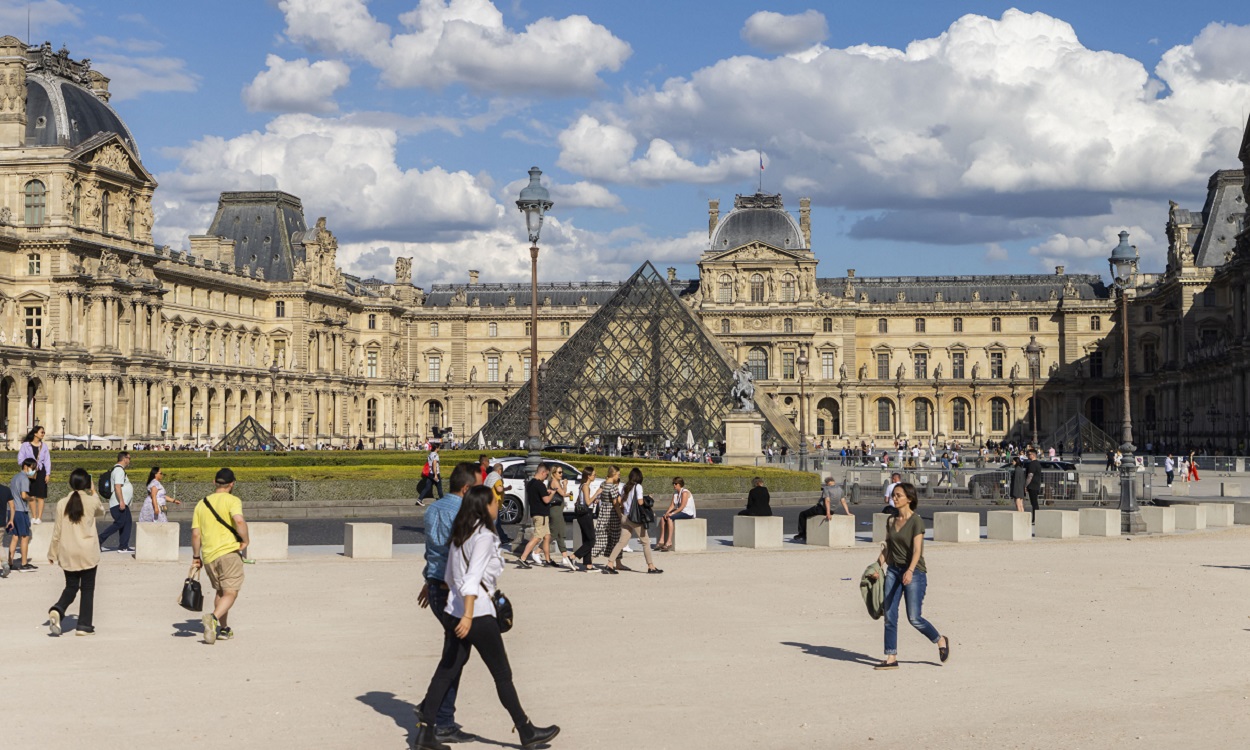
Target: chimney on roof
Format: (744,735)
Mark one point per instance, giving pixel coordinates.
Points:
(713,216)
(1059,270)
(672,274)
(850,273)
(805,220)
(472,277)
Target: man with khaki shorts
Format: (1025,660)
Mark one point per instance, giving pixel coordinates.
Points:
(218,543)
(538,501)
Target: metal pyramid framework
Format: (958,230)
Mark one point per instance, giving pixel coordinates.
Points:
(642,369)
(248,435)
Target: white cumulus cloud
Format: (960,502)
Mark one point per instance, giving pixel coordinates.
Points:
(608,152)
(780,33)
(461,42)
(296,85)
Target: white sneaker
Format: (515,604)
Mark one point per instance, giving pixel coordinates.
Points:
(37,520)
(628,548)
(566,562)
(534,556)
(54,622)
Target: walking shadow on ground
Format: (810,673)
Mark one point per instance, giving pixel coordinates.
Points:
(841,654)
(404,714)
(1229,567)
(188,629)
(69,623)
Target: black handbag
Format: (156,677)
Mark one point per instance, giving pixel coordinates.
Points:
(503,609)
(192,595)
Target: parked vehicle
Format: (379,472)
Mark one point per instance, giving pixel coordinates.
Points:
(1060,481)
(513,509)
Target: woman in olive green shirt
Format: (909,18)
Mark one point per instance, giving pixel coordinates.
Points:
(905,575)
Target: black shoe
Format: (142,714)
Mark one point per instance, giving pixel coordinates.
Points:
(532,736)
(28,568)
(453,734)
(610,571)
(523,565)
(654,571)
(427,740)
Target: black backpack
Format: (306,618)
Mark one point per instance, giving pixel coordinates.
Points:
(104,486)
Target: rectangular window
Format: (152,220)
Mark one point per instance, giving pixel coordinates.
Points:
(492,369)
(34,264)
(996,325)
(371,415)
(279,309)
(957,365)
(1033,324)
(884,421)
(826,365)
(34,327)
(436,364)
(919,325)
(787,365)
(1095,365)
(373,321)
(525,369)
(883,325)
(921,361)
(883,366)
(372,363)
(958,325)
(1150,357)
(996,365)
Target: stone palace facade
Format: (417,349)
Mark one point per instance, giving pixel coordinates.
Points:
(104,332)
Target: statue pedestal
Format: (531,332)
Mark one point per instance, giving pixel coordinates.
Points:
(744,432)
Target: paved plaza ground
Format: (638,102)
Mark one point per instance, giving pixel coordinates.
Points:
(1084,643)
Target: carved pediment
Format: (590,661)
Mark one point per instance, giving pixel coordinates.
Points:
(109,151)
(757,251)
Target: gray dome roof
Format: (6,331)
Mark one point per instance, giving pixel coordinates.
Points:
(758,218)
(60,112)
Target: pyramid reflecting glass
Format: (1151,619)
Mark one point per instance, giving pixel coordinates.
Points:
(248,435)
(643,369)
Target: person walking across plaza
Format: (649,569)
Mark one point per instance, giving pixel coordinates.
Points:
(830,494)
(1033,481)
(906,577)
(631,496)
(494,480)
(758,500)
(608,516)
(17,517)
(474,565)
(585,511)
(76,548)
(1193,467)
(153,509)
(560,489)
(895,479)
(1018,475)
(1169,468)
(219,541)
(680,508)
(35,447)
(538,503)
(431,478)
(120,492)
(439,518)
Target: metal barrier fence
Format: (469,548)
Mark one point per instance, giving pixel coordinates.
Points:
(1097,488)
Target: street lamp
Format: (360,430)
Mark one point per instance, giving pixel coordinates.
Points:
(802,362)
(196,421)
(62,433)
(534,201)
(1123,264)
(90,429)
(1033,352)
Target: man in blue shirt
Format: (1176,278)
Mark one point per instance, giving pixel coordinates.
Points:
(438,520)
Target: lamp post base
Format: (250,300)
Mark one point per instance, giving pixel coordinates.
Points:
(534,457)
(803,457)
(1131,521)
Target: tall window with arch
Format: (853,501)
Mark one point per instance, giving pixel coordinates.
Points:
(999,411)
(724,325)
(492,408)
(435,415)
(493,330)
(371,415)
(757,287)
(885,414)
(883,325)
(36,196)
(104,211)
(1033,325)
(826,325)
(757,363)
(921,416)
(434,330)
(996,324)
(787,288)
(787,325)
(960,411)
(372,322)
(725,289)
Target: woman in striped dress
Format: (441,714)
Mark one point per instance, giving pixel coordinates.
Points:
(608,514)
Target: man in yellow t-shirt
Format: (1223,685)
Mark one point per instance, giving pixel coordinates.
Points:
(219,543)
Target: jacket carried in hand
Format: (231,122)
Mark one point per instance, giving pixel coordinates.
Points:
(873,591)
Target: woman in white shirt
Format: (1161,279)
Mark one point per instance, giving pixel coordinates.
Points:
(473,568)
(630,496)
(681,507)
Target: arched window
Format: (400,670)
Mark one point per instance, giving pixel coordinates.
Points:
(1033,324)
(1096,411)
(373,323)
(999,412)
(371,415)
(787,288)
(725,289)
(36,202)
(76,211)
(529,328)
(130,219)
(435,411)
(787,325)
(828,413)
(104,212)
(959,415)
(883,325)
(724,325)
(433,330)
(885,415)
(996,324)
(922,410)
(957,325)
(757,363)
(826,325)
(494,330)
(919,325)
(1095,323)
(757,287)
(564,328)
(492,408)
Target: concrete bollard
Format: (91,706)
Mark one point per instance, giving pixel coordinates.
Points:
(758,532)
(1057,524)
(879,521)
(956,527)
(367,541)
(1180,489)
(1241,513)
(1219,515)
(1100,522)
(1008,525)
(37,548)
(1159,520)
(269,540)
(1190,517)
(838,531)
(1230,489)
(690,535)
(156,542)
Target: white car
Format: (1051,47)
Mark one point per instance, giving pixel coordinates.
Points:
(513,510)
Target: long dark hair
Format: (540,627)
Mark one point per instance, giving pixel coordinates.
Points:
(474,512)
(30,436)
(909,490)
(152,474)
(635,479)
(79,481)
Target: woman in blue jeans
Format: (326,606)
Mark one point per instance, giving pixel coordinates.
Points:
(905,575)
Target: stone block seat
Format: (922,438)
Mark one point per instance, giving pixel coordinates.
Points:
(1100,522)
(156,542)
(758,532)
(956,527)
(1057,524)
(269,540)
(367,541)
(690,535)
(1008,525)
(1190,517)
(1219,515)
(1159,520)
(838,531)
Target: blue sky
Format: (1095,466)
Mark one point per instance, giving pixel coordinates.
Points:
(932,137)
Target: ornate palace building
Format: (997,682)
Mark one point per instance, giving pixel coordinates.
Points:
(103,332)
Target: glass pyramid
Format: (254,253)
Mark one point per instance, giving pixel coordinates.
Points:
(644,370)
(248,435)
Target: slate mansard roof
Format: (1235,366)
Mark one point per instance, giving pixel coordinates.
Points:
(757,218)
(62,113)
(1028,288)
(265,225)
(567,293)
(1221,219)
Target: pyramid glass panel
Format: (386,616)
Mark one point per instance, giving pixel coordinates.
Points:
(248,435)
(643,369)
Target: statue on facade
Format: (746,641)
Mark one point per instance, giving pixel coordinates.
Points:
(863,372)
(238,357)
(282,358)
(507,376)
(937,371)
(743,391)
(473,374)
(1015,371)
(4,340)
(403,271)
(842,371)
(6,216)
(976,370)
(898,374)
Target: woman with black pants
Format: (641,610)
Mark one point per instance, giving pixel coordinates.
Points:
(473,568)
(76,548)
(589,498)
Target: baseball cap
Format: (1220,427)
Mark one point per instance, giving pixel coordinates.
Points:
(224,476)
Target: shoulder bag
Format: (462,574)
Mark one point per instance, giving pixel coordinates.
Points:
(580,508)
(501,603)
(192,597)
(233,530)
